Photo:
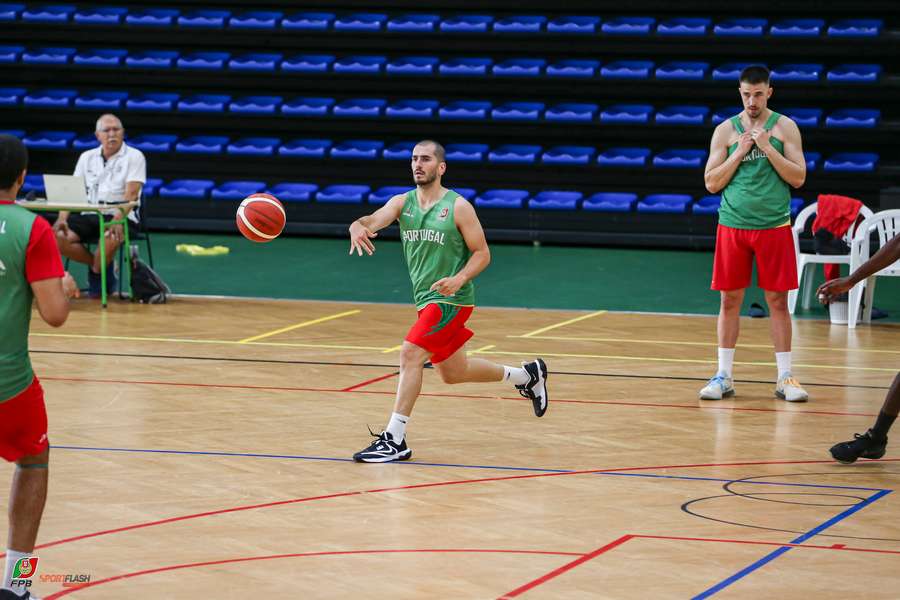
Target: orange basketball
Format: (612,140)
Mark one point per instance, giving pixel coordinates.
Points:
(260,217)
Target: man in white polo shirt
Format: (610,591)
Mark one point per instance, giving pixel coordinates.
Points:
(113,172)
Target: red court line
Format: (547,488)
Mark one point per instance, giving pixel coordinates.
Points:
(369,382)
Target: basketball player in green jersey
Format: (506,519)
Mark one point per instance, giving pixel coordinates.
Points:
(445,250)
(754,159)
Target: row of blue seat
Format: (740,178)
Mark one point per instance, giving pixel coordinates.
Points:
(427,23)
(480,66)
(374,108)
(684,158)
(203,189)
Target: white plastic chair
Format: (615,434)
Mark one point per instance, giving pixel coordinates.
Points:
(807,262)
(887,225)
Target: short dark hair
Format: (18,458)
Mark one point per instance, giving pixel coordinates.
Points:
(754,74)
(13,160)
(439,153)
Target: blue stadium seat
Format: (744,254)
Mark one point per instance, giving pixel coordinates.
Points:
(49,98)
(10,11)
(202,144)
(707,205)
(307,107)
(857,162)
(684,26)
(11,96)
(256,19)
(856,28)
(13,132)
(203,60)
(151,187)
(382,195)
(254,146)
(466,67)
(307,63)
(520,24)
(514,153)
(412,109)
(106,15)
(48,56)
(627,69)
(361,22)
(104,57)
(33,183)
(664,203)
(796,205)
(308,21)
(290,191)
(628,26)
(467,24)
(555,200)
(163,101)
(204,103)
(399,151)
(48,13)
(154,142)
(204,19)
(623,157)
(518,111)
(152,17)
(725,113)
(360,65)
(101,100)
(683,71)
(256,62)
(569,155)
(152,59)
(574,25)
(729,71)
(413,23)
(360,108)
(519,67)
(568,112)
(467,152)
(573,68)
(682,115)
(854,117)
(255,105)
(10,54)
(501,198)
(622,114)
(467,193)
(413,65)
(357,149)
(305,148)
(236,190)
(680,158)
(855,73)
(797,72)
(797,28)
(189,189)
(740,27)
(49,140)
(470,110)
(610,202)
(85,142)
(804,117)
(813,159)
(343,194)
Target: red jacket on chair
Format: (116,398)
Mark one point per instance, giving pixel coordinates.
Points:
(836,214)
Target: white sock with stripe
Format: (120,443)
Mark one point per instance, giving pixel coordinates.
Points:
(397,426)
(516,375)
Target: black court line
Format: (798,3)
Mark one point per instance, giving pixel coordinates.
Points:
(394,366)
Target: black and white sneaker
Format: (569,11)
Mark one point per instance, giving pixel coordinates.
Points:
(383,449)
(536,388)
(865,445)
(11,595)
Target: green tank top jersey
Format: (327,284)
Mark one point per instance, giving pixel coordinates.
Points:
(434,248)
(15,301)
(756,197)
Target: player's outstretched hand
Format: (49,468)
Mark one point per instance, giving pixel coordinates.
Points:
(359,239)
(830,290)
(447,286)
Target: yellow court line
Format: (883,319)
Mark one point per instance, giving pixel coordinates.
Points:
(192,341)
(299,325)
(569,322)
(394,349)
(483,348)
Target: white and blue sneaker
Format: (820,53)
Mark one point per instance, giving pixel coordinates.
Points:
(720,386)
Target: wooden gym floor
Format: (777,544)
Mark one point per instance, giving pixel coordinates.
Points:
(201,450)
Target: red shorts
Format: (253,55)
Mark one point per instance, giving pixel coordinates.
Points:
(441,329)
(23,424)
(776,259)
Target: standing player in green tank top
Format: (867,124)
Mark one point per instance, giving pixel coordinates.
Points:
(754,159)
(445,249)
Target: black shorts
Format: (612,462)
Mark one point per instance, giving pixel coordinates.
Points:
(87,227)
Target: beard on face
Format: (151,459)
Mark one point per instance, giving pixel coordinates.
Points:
(426,179)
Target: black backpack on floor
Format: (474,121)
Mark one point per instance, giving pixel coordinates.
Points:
(147,287)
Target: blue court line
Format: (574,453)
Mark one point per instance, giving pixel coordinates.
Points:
(460,466)
(799,540)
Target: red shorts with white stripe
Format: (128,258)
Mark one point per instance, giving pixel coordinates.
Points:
(773,249)
(23,424)
(441,329)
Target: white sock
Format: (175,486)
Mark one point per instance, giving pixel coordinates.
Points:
(12,557)
(726,360)
(397,426)
(516,375)
(783,360)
